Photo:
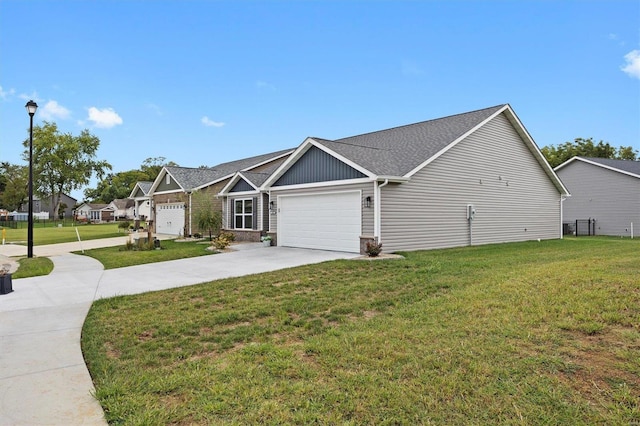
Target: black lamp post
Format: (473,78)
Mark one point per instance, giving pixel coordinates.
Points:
(31,109)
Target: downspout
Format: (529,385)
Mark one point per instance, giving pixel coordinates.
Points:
(562,198)
(377,220)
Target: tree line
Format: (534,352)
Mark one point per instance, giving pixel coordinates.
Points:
(63,163)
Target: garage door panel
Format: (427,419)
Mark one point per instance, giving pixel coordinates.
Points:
(170,219)
(321,221)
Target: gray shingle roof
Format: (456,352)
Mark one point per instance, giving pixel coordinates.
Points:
(192,178)
(397,151)
(145,186)
(628,166)
(256,179)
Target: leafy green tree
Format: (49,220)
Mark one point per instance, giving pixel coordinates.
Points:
(14,185)
(114,186)
(557,155)
(151,167)
(63,162)
(120,185)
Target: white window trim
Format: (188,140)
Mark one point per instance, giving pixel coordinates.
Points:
(243,214)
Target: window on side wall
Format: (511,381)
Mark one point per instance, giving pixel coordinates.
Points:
(243,214)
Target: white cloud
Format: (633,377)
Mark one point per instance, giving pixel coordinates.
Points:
(210,123)
(633,64)
(52,110)
(5,93)
(105,118)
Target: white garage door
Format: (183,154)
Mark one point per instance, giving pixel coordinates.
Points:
(170,219)
(320,221)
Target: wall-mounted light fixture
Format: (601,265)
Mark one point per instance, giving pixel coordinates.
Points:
(367,202)
(270,205)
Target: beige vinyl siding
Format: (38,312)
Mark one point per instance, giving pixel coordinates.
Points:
(610,197)
(367,191)
(492,169)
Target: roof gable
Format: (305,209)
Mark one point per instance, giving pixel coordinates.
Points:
(242,186)
(627,167)
(316,165)
(400,150)
(189,179)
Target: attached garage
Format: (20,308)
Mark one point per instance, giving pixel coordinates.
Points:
(327,221)
(170,218)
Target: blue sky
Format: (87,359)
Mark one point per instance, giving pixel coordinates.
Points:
(204,82)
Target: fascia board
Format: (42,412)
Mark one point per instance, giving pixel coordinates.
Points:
(213,182)
(393,179)
(452,144)
(314,185)
(241,194)
(299,152)
(604,166)
(569,161)
(522,131)
(343,159)
(253,166)
(233,181)
(133,191)
(159,178)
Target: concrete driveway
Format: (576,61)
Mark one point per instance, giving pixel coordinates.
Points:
(43,378)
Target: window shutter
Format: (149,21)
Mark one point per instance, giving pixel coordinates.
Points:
(232,214)
(255,213)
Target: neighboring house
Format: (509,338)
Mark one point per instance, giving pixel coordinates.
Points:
(42,205)
(141,195)
(605,190)
(94,212)
(173,189)
(245,210)
(122,208)
(472,178)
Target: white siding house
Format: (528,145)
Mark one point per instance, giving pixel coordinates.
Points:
(604,190)
(412,187)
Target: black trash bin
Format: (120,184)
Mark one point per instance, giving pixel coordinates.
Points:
(6,286)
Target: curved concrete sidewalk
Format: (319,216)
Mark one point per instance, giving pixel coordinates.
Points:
(43,378)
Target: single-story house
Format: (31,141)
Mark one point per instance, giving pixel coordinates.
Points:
(122,208)
(141,195)
(174,188)
(605,191)
(46,204)
(94,212)
(471,178)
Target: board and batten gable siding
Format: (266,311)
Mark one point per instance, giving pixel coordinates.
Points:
(365,188)
(171,186)
(139,193)
(242,186)
(315,165)
(612,198)
(492,169)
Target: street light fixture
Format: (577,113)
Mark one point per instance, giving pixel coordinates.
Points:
(31,109)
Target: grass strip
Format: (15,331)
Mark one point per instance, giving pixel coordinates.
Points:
(119,257)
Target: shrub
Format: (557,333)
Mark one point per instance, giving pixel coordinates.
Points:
(124,225)
(373,249)
(223,240)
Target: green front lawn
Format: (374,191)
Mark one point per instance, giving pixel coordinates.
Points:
(118,257)
(65,234)
(524,333)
